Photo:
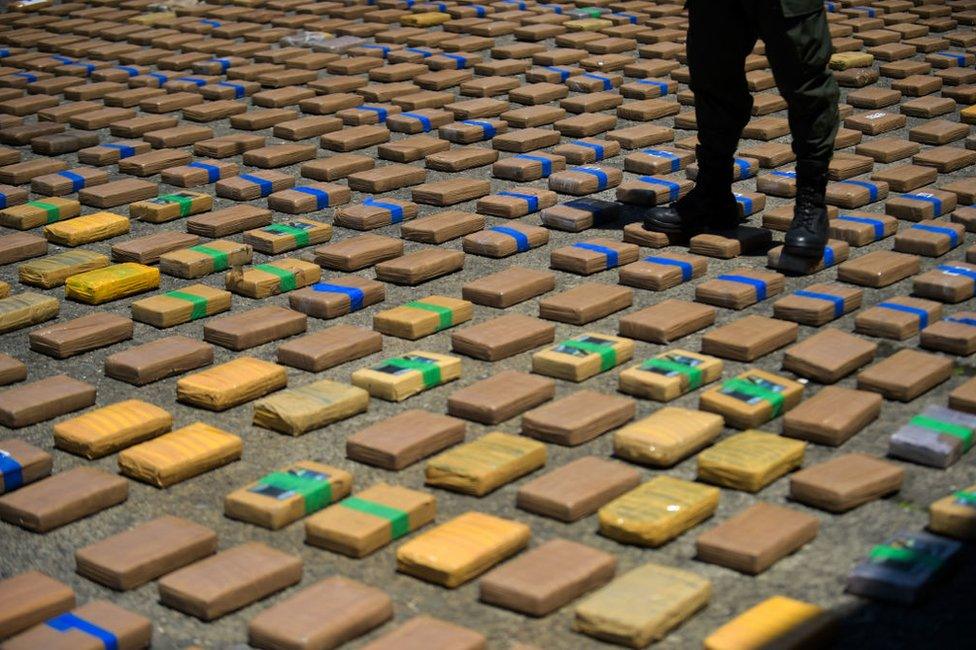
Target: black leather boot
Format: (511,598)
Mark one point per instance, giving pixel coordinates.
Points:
(708,207)
(808,232)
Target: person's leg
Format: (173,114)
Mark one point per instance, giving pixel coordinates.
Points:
(720,35)
(798,49)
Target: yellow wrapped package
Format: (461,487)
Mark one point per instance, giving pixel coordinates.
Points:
(26,309)
(666,436)
(180,454)
(777,622)
(670,375)
(272,278)
(642,605)
(398,378)
(968,115)
(485,464)
(111,283)
(587,24)
(4,289)
(87,229)
(298,410)
(750,460)
(847,60)
(657,511)
(52,270)
(106,430)
(583,356)
(425,19)
(955,515)
(752,398)
(154,18)
(232,383)
(461,549)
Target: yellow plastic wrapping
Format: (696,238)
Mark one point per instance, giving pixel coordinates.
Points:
(657,511)
(180,454)
(777,622)
(666,436)
(485,464)
(232,383)
(111,283)
(89,228)
(750,460)
(108,429)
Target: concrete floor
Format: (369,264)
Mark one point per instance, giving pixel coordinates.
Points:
(817,573)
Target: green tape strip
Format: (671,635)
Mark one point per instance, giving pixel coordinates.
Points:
(53,212)
(751,389)
(693,374)
(608,356)
(399,519)
(287,280)
(445,313)
(199,303)
(955,430)
(184,202)
(317,493)
(430,372)
(300,235)
(903,554)
(220,258)
(965,498)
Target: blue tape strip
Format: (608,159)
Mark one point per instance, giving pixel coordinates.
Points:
(939,230)
(321,196)
(867,10)
(829,258)
(962,321)
(784,174)
(686,268)
(11,471)
(459,60)
(870,187)
(667,155)
(745,201)
(238,88)
(355,295)
(607,84)
(212,23)
(597,148)
(26,75)
(63,59)
(385,49)
(3,200)
(124,150)
(949,269)
(196,81)
(396,212)
(630,18)
(89,67)
(960,58)
(423,119)
(159,76)
(563,73)
(923,316)
(758,284)
(613,259)
(224,64)
(4,52)
(545,162)
(265,185)
(128,69)
(213,172)
(831,6)
(479,11)
(531,199)
(601,176)
(487,128)
(930,198)
(674,190)
(380,112)
(744,170)
(877,224)
(68,621)
(816,295)
(521,239)
(661,85)
(421,51)
(77,181)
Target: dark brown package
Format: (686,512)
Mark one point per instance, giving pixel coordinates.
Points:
(547,577)
(145,552)
(404,439)
(21,463)
(12,370)
(667,321)
(147,249)
(330,347)
(832,416)
(502,337)
(43,399)
(509,287)
(585,303)
(500,397)
(578,418)
(229,580)
(905,375)
(115,193)
(577,489)
(336,298)
(442,227)
(756,538)
(30,598)
(828,356)
(299,621)
(422,632)
(749,338)
(254,327)
(63,498)
(420,266)
(228,221)
(845,482)
(358,252)
(150,362)
(80,335)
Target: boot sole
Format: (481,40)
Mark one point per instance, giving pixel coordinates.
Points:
(805,253)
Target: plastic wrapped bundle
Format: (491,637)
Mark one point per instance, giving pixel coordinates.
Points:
(937,437)
(903,567)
